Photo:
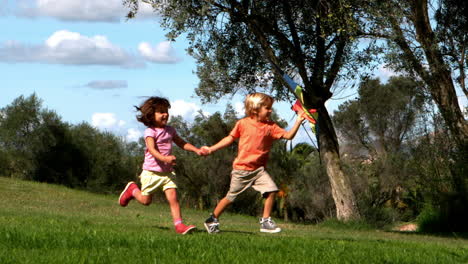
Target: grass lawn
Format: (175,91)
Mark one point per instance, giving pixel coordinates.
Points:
(41,223)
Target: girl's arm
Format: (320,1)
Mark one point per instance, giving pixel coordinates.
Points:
(291,133)
(150,144)
(185,145)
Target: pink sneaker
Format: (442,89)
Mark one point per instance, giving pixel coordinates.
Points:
(126,194)
(183,229)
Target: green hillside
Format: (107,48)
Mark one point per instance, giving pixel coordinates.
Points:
(41,223)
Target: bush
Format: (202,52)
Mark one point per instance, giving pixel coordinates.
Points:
(450,215)
(310,198)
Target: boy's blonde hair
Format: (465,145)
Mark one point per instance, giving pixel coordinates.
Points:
(253,102)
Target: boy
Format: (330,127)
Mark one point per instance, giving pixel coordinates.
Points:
(256,134)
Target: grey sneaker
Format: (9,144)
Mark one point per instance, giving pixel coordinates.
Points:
(267,225)
(212,224)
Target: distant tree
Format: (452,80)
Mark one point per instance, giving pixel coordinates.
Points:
(57,159)
(109,162)
(35,144)
(384,115)
(19,122)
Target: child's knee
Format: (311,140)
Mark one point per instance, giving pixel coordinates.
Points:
(171,194)
(146,200)
(269,194)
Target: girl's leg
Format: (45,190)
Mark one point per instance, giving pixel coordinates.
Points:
(171,196)
(143,199)
(269,202)
(220,207)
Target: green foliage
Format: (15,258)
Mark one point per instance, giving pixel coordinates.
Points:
(441,169)
(18,123)
(399,156)
(372,126)
(426,169)
(229,40)
(37,145)
(427,39)
(309,197)
(448,215)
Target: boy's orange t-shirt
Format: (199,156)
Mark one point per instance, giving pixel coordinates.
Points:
(255,140)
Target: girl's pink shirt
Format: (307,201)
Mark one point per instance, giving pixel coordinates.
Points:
(163,143)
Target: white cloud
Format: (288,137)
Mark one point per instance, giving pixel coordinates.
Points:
(187,110)
(107,121)
(83,10)
(239,108)
(161,53)
(384,73)
(133,134)
(70,48)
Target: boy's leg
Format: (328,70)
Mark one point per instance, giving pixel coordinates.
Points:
(220,207)
(268,188)
(267,225)
(241,180)
(212,223)
(171,196)
(269,202)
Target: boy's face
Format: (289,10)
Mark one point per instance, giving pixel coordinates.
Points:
(264,112)
(161,116)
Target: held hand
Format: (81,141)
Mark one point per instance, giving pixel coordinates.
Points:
(301,117)
(206,150)
(200,152)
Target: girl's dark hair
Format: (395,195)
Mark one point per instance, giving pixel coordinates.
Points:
(149,107)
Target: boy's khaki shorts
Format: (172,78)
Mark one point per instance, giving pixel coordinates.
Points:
(151,181)
(258,179)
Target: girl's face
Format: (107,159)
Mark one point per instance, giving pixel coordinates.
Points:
(264,112)
(161,116)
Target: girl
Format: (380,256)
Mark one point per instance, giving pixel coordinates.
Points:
(157,167)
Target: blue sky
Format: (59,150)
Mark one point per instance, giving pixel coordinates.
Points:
(86,62)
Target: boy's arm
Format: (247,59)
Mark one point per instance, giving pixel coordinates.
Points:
(156,154)
(291,133)
(185,145)
(221,144)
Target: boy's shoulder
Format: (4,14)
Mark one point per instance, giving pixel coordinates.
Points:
(250,122)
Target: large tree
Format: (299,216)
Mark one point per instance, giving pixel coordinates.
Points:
(236,44)
(431,44)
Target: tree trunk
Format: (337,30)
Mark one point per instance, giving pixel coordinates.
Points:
(443,93)
(439,79)
(345,201)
